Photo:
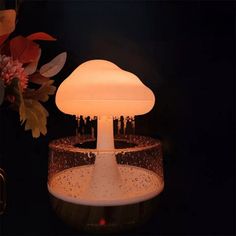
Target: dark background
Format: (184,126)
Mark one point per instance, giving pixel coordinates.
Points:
(183,51)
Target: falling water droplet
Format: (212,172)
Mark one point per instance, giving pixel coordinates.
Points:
(85,120)
(92,133)
(125,124)
(78,125)
(118,125)
(133,125)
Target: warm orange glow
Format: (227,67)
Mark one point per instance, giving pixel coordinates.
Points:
(99,87)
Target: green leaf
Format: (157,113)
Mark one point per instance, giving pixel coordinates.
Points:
(2,91)
(31,111)
(14,89)
(41,94)
(37,78)
(35,117)
(54,66)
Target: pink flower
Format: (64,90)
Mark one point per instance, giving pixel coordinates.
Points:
(10,69)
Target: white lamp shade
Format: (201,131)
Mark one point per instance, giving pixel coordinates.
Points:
(99,87)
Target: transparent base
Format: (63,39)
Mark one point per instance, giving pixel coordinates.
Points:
(68,187)
(104,219)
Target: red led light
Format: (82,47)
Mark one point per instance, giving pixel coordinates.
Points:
(102,221)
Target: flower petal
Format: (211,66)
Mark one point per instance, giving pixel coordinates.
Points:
(32,67)
(7,21)
(3,38)
(41,36)
(24,49)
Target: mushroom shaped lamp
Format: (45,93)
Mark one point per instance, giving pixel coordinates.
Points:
(99,88)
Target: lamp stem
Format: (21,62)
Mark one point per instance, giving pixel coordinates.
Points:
(105,136)
(105,180)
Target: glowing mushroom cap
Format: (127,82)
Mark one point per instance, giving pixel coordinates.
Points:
(99,87)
